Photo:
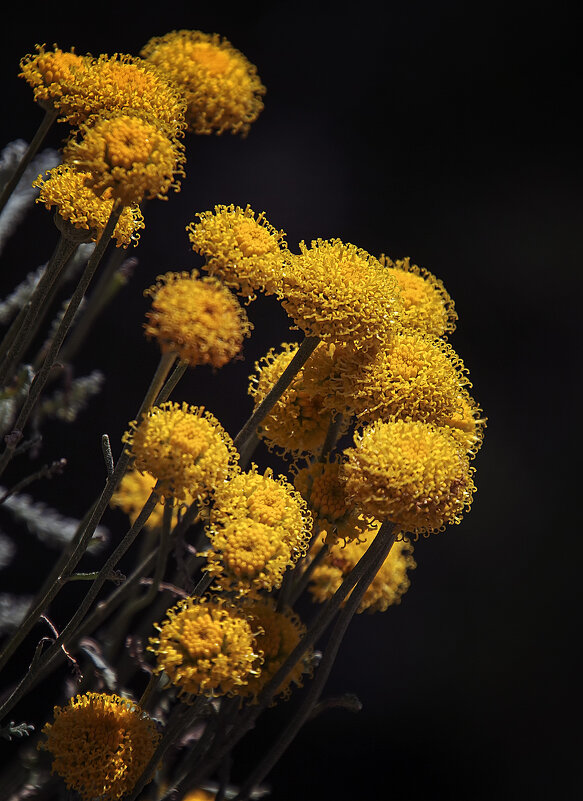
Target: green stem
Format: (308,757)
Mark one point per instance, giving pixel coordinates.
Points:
(304,577)
(157,383)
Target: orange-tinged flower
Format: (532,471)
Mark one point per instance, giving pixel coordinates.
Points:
(221,86)
(100,745)
(134,490)
(198,318)
(52,73)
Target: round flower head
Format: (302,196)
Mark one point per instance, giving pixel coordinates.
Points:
(52,74)
(248,556)
(222,89)
(185,448)
(205,647)
(340,293)
(198,318)
(410,473)
(388,586)
(123,84)
(128,156)
(66,190)
(278,634)
(467,423)
(100,745)
(414,375)
(134,490)
(426,305)
(244,251)
(266,500)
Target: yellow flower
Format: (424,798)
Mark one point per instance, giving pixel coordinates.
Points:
(134,490)
(248,556)
(66,190)
(414,375)
(222,88)
(52,74)
(100,745)
(427,305)
(467,424)
(245,252)
(278,634)
(388,586)
(199,795)
(198,318)
(411,473)
(184,447)
(341,294)
(128,156)
(205,646)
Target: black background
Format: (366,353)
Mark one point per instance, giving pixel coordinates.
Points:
(445,132)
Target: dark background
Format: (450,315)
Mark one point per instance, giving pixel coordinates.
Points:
(445,132)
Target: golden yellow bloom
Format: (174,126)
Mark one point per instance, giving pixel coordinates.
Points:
(388,586)
(341,294)
(245,252)
(467,424)
(52,73)
(66,190)
(128,156)
(414,375)
(199,795)
(198,318)
(278,634)
(248,556)
(222,88)
(184,447)
(410,473)
(134,490)
(264,499)
(427,305)
(205,646)
(100,745)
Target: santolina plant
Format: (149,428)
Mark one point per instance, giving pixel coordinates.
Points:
(371,411)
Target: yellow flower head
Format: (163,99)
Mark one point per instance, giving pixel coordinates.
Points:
(278,634)
(266,500)
(414,375)
(52,73)
(128,156)
(427,305)
(248,556)
(205,647)
(411,473)
(244,251)
(300,419)
(183,447)
(123,84)
(66,190)
(467,423)
(340,293)
(198,318)
(100,745)
(134,490)
(388,586)
(222,88)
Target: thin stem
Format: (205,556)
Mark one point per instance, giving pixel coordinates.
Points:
(171,383)
(164,367)
(304,577)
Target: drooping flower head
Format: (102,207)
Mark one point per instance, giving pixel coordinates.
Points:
(65,189)
(184,447)
(100,745)
(426,304)
(221,86)
(341,294)
(134,490)
(243,250)
(410,473)
(388,586)
(205,646)
(127,155)
(198,318)
(52,73)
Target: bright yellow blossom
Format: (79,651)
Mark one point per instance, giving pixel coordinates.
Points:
(100,745)
(467,424)
(66,190)
(198,318)
(184,447)
(205,646)
(52,73)
(244,251)
(410,473)
(134,490)
(221,86)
